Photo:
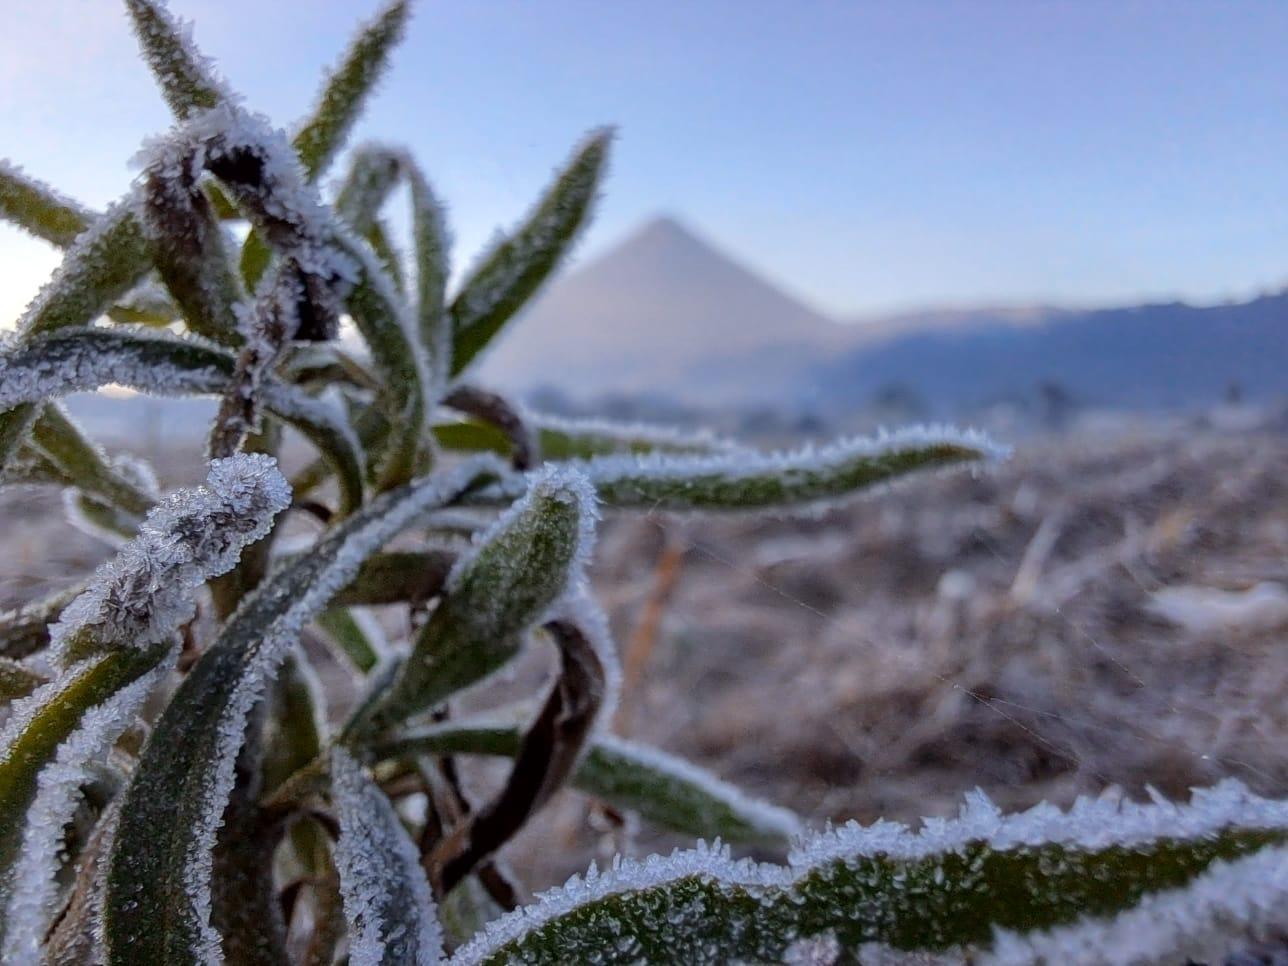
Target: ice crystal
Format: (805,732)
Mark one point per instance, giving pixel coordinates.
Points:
(386,897)
(141,595)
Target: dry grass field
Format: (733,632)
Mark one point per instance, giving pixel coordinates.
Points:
(1093,613)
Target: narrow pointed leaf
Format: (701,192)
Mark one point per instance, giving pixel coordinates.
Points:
(379,236)
(752,481)
(380,315)
(565,439)
(355,634)
(347,88)
(45,747)
(88,466)
(37,208)
(157,907)
(664,790)
(532,556)
(432,244)
(61,363)
(945,889)
(102,264)
(374,170)
(398,577)
(391,913)
(508,275)
(187,79)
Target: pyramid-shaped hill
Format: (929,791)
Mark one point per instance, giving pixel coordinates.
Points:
(663,311)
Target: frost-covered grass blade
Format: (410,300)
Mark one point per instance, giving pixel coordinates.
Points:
(948,888)
(187,79)
(528,559)
(754,481)
(510,273)
(39,209)
(391,914)
(158,902)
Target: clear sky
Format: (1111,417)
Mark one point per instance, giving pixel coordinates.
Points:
(867,155)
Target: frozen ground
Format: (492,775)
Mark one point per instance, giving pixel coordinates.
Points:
(1093,612)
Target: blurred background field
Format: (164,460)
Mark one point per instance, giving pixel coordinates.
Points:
(1108,608)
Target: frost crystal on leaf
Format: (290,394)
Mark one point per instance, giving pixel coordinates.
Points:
(387,900)
(141,595)
(31,902)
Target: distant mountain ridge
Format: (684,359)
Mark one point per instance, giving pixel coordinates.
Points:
(1150,356)
(666,313)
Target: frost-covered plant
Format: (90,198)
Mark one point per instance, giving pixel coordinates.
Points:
(176,783)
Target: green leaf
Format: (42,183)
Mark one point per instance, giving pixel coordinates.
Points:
(947,889)
(187,79)
(102,264)
(374,170)
(380,315)
(509,274)
(521,566)
(754,481)
(666,791)
(372,429)
(38,727)
(254,259)
(87,466)
(83,360)
(373,173)
(563,439)
(37,208)
(146,304)
(391,913)
(432,247)
(347,88)
(398,577)
(352,635)
(15,431)
(158,874)
(378,236)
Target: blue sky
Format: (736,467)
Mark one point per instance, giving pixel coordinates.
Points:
(869,156)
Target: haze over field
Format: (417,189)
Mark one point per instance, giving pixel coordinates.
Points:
(667,313)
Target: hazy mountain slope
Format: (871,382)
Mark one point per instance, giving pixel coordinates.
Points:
(1147,356)
(663,310)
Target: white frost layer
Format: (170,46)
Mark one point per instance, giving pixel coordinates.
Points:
(365,533)
(285,194)
(750,464)
(391,913)
(761,814)
(84,258)
(551,481)
(625,875)
(14,174)
(1090,825)
(1246,898)
(27,374)
(169,29)
(141,595)
(537,234)
(625,434)
(33,885)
